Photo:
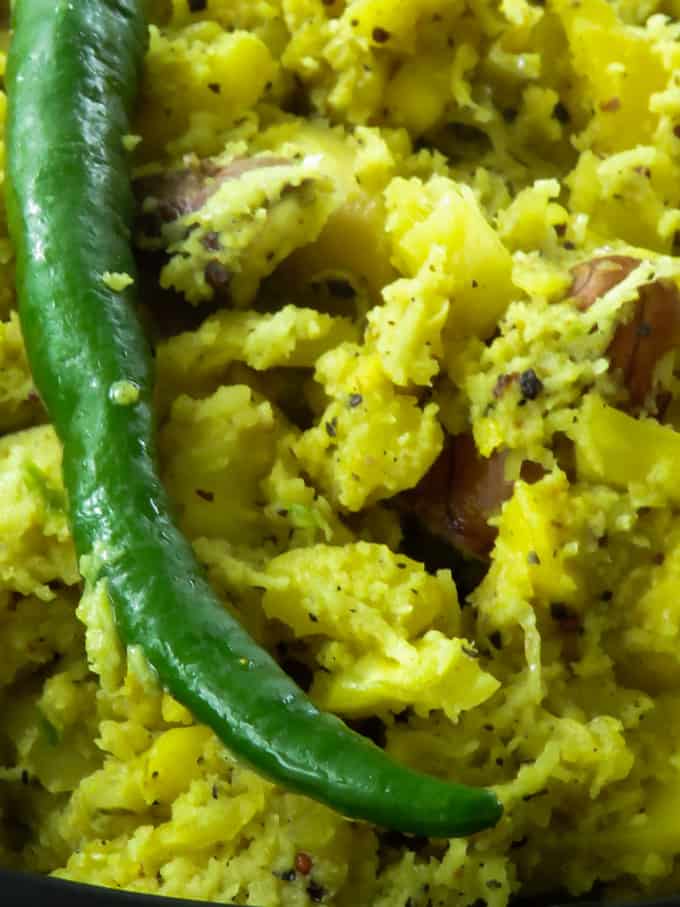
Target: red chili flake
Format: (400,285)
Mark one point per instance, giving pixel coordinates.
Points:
(303,863)
(610,106)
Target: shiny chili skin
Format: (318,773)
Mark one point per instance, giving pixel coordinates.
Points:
(72,79)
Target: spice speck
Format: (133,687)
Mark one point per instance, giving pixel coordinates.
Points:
(530,384)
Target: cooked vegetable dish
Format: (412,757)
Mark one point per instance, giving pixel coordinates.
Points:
(340,430)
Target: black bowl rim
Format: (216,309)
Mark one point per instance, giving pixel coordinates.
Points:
(22,889)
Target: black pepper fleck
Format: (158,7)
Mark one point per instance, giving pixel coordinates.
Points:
(530,384)
(520,842)
(197,6)
(496,639)
(561,113)
(316,892)
(380,35)
(355,400)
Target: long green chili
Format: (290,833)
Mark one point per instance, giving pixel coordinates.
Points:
(73,74)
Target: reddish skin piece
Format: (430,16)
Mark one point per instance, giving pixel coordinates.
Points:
(653,331)
(593,279)
(461,491)
(303,863)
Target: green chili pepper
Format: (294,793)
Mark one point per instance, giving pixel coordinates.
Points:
(72,78)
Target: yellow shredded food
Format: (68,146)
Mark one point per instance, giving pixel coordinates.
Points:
(411,272)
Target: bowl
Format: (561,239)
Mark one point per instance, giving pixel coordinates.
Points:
(19,889)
